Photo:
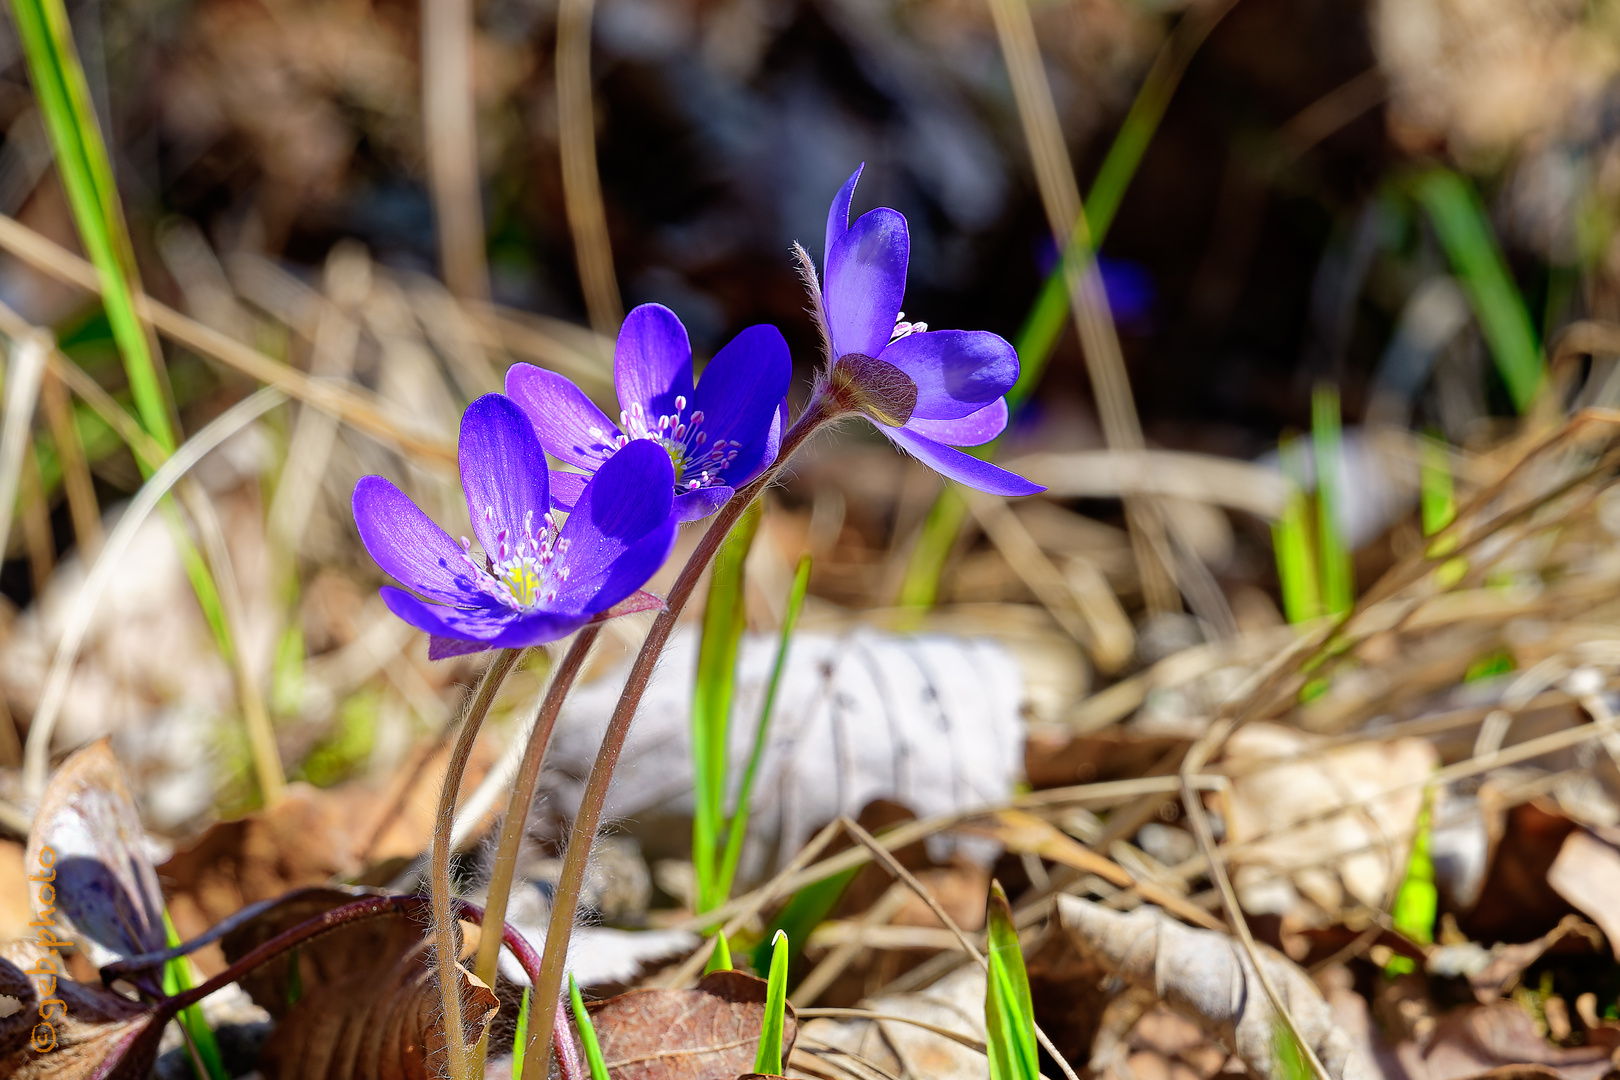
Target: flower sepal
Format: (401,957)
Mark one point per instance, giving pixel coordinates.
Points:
(875,388)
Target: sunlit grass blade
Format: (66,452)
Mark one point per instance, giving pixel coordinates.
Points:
(520,1037)
(86,174)
(1465,232)
(1291,543)
(737,827)
(1288,1056)
(1327,439)
(1417,901)
(1009,1009)
(720,959)
(587,1032)
(803,913)
(768,1059)
(178,977)
(724,619)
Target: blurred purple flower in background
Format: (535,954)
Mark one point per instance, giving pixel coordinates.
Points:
(718,434)
(535,580)
(957,378)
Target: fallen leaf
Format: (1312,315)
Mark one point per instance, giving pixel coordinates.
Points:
(699,1034)
(105,892)
(1207,976)
(1470,1041)
(93,1035)
(371,1008)
(1277,781)
(1587,874)
(1507,962)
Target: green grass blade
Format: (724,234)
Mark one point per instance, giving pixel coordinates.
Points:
(295,978)
(1417,902)
(1289,1057)
(87,177)
(803,913)
(520,1038)
(1465,232)
(720,959)
(1291,543)
(1327,439)
(768,1059)
(178,977)
(737,827)
(587,1032)
(1009,1009)
(926,566)
(1439,494)
(724,619)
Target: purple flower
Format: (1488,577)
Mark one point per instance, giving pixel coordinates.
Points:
(537,579)
(718,434)
(954,381)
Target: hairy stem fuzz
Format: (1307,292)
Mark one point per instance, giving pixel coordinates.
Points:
(443,908)
(565,902)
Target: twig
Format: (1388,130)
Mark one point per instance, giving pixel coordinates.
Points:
(344,402)
(894,867)
(36,752)
(777,886)
(582,187)
(451,119)
(1234,912)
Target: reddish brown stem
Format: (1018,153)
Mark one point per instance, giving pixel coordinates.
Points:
(565,902)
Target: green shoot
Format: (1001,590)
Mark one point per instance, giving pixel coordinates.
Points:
(1417,901)
(737,827)
(1291,542)
(768,1060)
(1465,232)
(1439,506)
(178,976)
(295,979)
(587,1032)
(724,619)
(1009,1010)
(520,1037)
(803,913)
(1338,575)
(1289,1063)
(720,959)
(919,590)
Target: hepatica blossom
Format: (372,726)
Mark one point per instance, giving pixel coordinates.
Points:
(534,577)
(926,390)
(718,433)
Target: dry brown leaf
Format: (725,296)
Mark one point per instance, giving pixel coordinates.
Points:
(699,1034)
(106,894)
(1508,962)
(97,1035)
(1206,975)
(380,1018)
(1587,874)
(1471,1041)
(1357,852)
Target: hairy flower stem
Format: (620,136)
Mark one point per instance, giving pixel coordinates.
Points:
(444,919)
(517,809)
(565,902)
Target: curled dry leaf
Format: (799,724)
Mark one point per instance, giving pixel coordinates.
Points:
(704,1033)
(106,893)
(369,1006)
(1359,852)
(1587,874)
(93,1034)
(1206,975)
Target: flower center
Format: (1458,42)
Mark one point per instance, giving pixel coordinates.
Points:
(698,462)
(906,329)
(520,572)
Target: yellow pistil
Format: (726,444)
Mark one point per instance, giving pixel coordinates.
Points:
(522,579)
